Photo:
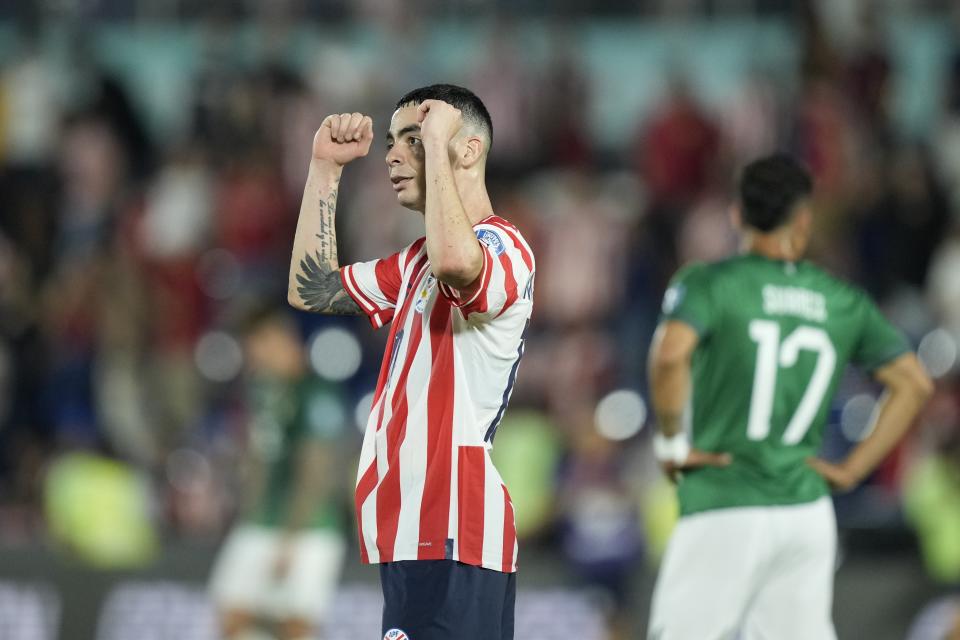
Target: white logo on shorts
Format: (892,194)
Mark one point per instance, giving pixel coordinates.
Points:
(395,634)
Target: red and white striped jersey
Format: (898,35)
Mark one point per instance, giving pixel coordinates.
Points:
(426,487)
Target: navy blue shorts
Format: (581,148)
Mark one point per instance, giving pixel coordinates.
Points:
(446,600)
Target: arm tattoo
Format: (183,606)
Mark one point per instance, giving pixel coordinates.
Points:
(318,283)
(327,251)
(321,289)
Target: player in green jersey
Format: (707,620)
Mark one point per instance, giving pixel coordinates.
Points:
(755,346)
(280,565)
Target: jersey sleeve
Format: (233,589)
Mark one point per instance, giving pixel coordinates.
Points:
(879,341)
(506,277)
(375,286)
(689,300)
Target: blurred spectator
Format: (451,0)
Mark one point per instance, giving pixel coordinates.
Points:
(676,154)
(900,230)
(943,285)
(503,82)
(945,137)
(31,104)
(676,150)
(179,208)
(254,219)
(581,219)
(751,122)
(562,107)
(868,75)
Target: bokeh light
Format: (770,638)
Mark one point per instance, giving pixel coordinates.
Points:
(187,469)
(326,412)
(218,272)
(335,354)
(218,356)
(621,414)
(938,352)
(362,413)
(855,417)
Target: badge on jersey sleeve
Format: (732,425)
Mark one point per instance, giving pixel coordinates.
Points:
(673,297)
(492,240)
(395,634)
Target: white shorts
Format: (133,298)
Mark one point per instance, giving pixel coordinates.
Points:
(748,573)
(242,575)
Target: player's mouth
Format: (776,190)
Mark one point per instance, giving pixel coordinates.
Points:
(399,182)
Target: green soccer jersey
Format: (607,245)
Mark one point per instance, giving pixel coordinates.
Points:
(774,338)
(284,416)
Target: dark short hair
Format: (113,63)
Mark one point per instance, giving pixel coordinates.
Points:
(769,189)
(466,101)
(253,315)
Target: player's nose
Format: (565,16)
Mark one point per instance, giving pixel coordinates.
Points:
(393,157)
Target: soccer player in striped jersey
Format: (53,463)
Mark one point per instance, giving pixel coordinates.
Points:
(757,344)
(431,507)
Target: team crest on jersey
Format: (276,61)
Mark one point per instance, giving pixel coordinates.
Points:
(492,240)
(424,294)
(395,634)
(672,298)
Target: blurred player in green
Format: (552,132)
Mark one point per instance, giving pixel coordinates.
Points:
(755,345)
(279,567)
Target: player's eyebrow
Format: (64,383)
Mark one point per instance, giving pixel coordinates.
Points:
(407,129)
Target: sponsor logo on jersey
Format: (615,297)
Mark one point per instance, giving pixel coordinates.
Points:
(673,297)
(395,634)
(794,301)
(424,294)
(492,240)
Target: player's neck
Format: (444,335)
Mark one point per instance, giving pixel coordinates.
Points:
(475,200)
(775,246)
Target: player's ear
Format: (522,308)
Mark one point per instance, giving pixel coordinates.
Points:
(736,218)
(803,219)
(802,226)
(470,151)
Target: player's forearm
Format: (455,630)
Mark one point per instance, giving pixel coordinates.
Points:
(908,387)
(669,385)
(892,419)
(452,246)
(668,368)
(314,281)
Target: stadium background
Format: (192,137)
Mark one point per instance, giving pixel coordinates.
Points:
(152,156)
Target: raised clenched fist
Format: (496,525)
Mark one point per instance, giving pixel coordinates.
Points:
(343,137)
(439,121)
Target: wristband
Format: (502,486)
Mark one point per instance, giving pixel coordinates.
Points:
(673,449)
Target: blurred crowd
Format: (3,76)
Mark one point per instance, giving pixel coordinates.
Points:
(126,257)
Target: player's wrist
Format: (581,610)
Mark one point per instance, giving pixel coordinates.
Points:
(853,470)
(325,166)
(435,144)
(673,449)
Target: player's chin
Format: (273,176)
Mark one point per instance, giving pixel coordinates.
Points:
(410,201)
